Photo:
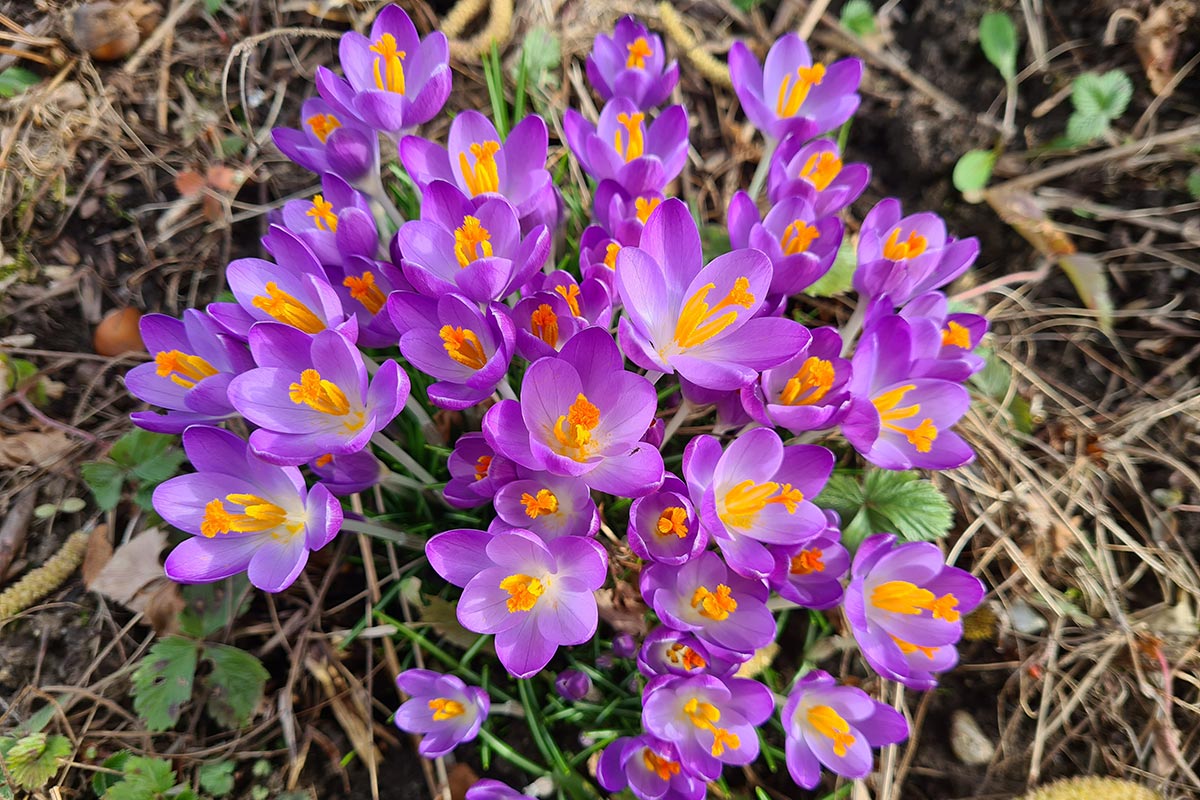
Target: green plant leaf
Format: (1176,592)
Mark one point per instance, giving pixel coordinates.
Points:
(995,377)
(973,170)
(887,502)
(34,759)
(858,17)
(139,447)
(102,781)
(15,80)
(1106,95)
(161,467)
(1193,183)
(216,778)
(235,684)
(212,606)
(840,277)
(998,38)
(162,682)
(144,779)
(1085,129)
(542,55)
(105,479)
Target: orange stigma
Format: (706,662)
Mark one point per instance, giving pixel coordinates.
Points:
(463,346)
(716,605)
(923,435)
(896,250)
(698,323)
(811,382)
(672,520)
(743,502)
(484,177)
(389,65)
(543,323)
(820,169)
(287,309)
(523,592)
(639,51)
(183,369)
(322,214)
(322,125)
(573,430)
(635,132)
(363,289)
(798,237)
(472,241)
(806,562)
(792,95)
(543,504)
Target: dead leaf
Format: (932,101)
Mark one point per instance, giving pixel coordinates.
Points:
(443,616)
(460,779)
(189,183)
(134,578)
(40,449)
(622,607)
(99,552)
(761,659)
(1157,41)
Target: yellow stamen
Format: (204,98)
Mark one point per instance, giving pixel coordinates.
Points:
(610,252)
(811,382)
(704,716)
(287,309)
(523,591)
(325,460)
(683,656)
(902,597)
(471,241)
(956,335)
(482,465)
(923,435)
(543,323)
(716,605)
(543,504)
(743,502)
(639,51)
(324,396)
(484,177)
(570,293)
(908,648)
(830,724)
(389,66)
(635,131)
(820,169)
(896,250)
(644,206)
(445,708)
(574,429)
(256,515)
(363,289)
(792,95)
(807,562)
(798,237)
(322,214)
(672,520)
(463,346)
(664,768)
(322,125)
(183,369)
(698,323)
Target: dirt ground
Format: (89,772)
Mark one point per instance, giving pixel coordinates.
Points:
(131,183)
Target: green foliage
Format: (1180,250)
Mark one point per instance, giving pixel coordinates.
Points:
(32,760)
(216,778)
(493,74)
(144,778)
(15,80)
(1193,183)
(1098,100)
(998,38)
(858,17)
(235,684)
(884,502)
(162,682)
(213,606)
(140,458)
(840,277)
(973,170)
(103,781)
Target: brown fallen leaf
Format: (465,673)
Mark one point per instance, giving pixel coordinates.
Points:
(461,778)
(15,527)
(99,553)
(1157,40)
(40,449)
(133,577)
(622,607)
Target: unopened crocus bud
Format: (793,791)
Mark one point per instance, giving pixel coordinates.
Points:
(572,684)
(624,646)
(351,152)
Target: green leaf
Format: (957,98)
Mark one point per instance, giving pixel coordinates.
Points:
(1193,183)
(1085,129)
(973,170)
(858,17)
(998,38)
(15,80)
(139,446)
(212,606)
(162,682)
(103,781)
(161,467)
(887,502)
(105,479)
(216,778)
(34,759)
(542,56)
(714,240)
(144,779)
(994,379)
(1106,95)
(840,277)
(236,684)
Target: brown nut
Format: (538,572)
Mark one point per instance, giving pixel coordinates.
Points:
(119,333)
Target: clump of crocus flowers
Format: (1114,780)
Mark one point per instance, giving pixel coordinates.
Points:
(612,357)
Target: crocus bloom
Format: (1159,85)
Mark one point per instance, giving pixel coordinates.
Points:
(330,142)
(805,393)
(835,726)
(951,354)
(472,248)
(394,80)
(650,768)
(194,361)
(704,597)
(476,472)
(902,257)
(348,474)
(668,651)
(630,63)
(533,595)
(482,166)
(442,707)
(801,246)
(466,349)
(589,299)
(622,211)
(243,514)
(700,321)
(544,323)
(548,505)
(756,493)
(905,607)
(625,147)
(810,574)
(310,395)
(363,285)
(816,172)
(896,420)
(335,224)
(789,94)
(710,720)
(598,255)
(582,415)
(571,684)
(488,789)
(663,526)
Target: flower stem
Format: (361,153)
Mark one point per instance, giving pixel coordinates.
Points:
(764,166)
(681,414)
(382,532)
(505,389)
(512,756)
(392,449)
(853,326)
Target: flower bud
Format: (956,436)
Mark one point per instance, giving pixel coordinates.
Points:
(573,684)
(351,153)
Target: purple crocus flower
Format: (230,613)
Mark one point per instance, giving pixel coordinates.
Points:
(442,707)
(476,472)
(548,505)
(534,595)
(582,415)
(544,323)
(194,361)
(624,646)
(630,64)
(649,768)
(810,575)
(801,246)
(243,514)
(816,172)
(896,418)
(598,256)
(902,257)
(363,286)
(488,789)
(482,166)
(394,80)
(310,395)
(625,148)
(805,393)
(330,142)
(589,300)
(663,526)
(905,607)
(466,349)
(756,493)
(835,726)
(571,684)
(667,651)
(681,316)
(951,354)
(335,224)
(789,93)
(622,211)
(475,249)
(710,720)
(704,597)
(348,474)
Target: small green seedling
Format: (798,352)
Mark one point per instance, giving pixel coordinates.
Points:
(1098,100)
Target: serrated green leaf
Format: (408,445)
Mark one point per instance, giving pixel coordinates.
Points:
(542,56)
(840,277)
(998,38)
(103,781)
(212,606)
(144,779)
(235,684)
(161,467)
(15,80)
(1105,96)
(140,446)
(216,778)
(995,377)
(858,17)
(915,507)
(1085,129)
(34,759)
(162,682)
(105,479)
(973,170)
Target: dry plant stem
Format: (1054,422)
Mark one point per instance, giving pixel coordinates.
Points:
(401,455)
(45,579)
(1144,121)
(393,535)
(811,17)
(681,413)
(160,34)
(1039,739)
(711,68)
(764,166)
